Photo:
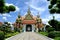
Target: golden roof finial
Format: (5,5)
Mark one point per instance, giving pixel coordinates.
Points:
(28,10)
(38,15)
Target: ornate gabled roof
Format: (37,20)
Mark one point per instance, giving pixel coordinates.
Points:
(29,19)
(28,16)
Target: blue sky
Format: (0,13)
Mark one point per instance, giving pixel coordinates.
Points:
(36,6)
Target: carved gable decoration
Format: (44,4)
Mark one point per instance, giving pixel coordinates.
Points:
(29,17)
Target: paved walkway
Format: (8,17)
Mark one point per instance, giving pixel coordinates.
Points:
(29,36)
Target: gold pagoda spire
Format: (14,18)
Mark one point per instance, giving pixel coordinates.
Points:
(38,15)
(28,10)
(28,15)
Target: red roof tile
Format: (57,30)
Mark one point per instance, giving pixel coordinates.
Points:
(28,21)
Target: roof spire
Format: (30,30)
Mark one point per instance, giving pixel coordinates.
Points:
(28,10)
(38,15)
(19,15)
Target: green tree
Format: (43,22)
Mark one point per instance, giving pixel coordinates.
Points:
(2,36)
(4,8)
(49,29)
(58,26)
(53,23)
(54,6)
(6,28)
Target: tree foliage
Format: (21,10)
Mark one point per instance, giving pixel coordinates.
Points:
(58,26)
(49,29)
(54,23)
(54,6)
(2,36)
(2,3)
(4,8)
(11,8)
(5,27)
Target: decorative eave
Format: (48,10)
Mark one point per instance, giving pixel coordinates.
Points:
(29,22)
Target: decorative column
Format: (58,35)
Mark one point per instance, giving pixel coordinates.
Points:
(12,27)
(33,28)
(37,30)
(24,27)
(44,28)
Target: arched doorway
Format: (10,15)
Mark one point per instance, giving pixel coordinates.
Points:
(28,28)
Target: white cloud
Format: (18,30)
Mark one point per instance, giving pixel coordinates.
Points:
(34,13)
(7,4)
(25,14)
(49,17)
(17,8)
(36,2)
(45,21)
(6,15)
(0,14)
(57,16)
(4,18)
(38,5)
(37,8)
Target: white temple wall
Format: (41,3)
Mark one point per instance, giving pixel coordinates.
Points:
(24,28)
(33,27)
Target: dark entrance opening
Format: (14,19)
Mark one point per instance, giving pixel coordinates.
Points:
(28,28)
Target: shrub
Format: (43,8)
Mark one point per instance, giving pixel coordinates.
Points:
(57,34)
(2,36)
(49,29)
(51,35)
(57,38)
(54,34)
(44,33)
(8,35)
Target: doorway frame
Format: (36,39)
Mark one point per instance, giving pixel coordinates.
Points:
(29,26)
